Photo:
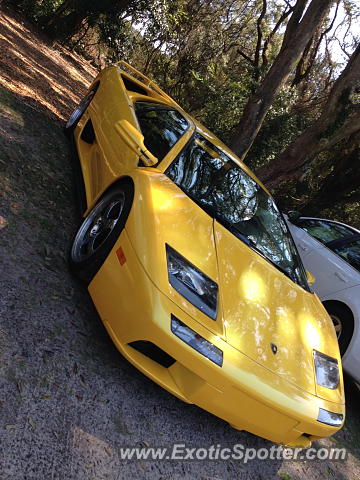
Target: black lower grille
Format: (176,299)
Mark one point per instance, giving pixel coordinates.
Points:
(153,352)
(88,133)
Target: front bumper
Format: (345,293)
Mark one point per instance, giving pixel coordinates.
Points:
(242,392)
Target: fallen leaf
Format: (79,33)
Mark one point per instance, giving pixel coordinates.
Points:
(3,222)
(10,427)
(32,423)
(15,207)
(108,451)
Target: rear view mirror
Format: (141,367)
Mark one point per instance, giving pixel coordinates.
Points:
(310,278)
(294,216)
(135,140)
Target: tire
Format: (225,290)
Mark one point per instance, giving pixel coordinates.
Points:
(343,321)
(99,231)
(79,111)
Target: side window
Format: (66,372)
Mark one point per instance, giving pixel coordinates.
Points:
(161,126)
(350,252)
(324,231)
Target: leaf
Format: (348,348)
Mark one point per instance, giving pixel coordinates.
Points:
(32,423)
(108,451)
(15,207)
(82,380)
(3,222)
(46,397)
(10,427)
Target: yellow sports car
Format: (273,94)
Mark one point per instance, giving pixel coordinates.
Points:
(193,270)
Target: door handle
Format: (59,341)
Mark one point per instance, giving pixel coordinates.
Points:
(303,247)
(341,276)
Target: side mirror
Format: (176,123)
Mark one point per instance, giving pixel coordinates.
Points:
(294,216)
(135,140)
(310,278)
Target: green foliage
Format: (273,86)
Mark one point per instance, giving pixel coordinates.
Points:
(210,57)
(281,126)
(35,9)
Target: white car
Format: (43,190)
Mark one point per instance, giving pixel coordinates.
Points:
(331,252)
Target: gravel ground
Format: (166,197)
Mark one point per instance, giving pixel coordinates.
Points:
(68,400)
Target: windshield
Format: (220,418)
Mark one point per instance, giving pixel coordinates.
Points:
(234,199)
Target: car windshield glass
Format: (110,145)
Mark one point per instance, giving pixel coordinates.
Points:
(324,231)
(161,126)
(350,252)
(227,193)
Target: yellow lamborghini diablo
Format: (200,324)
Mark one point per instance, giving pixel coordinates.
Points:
(193,270)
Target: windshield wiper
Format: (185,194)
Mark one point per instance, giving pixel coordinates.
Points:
(229,226)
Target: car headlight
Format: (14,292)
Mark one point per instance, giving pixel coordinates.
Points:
(327,370)
(191,283)
(198,343)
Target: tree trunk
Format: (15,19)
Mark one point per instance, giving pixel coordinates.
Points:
(298,33)
(341,182)
(339,119)
(58,12)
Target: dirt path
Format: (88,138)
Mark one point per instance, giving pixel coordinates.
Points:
(68,400)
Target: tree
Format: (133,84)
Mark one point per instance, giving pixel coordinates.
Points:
(67,19)
(300,29)
(339,119)
(341,185)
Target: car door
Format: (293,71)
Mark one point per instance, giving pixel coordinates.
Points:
(304,242)
(331,270)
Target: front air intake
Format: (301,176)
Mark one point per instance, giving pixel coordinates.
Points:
(153,352)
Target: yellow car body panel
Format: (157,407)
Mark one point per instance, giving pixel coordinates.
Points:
(242,392)
(162,211)
(262,306)
(271,395)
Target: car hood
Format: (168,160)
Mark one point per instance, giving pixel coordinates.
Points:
(268,317)
(261,312)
